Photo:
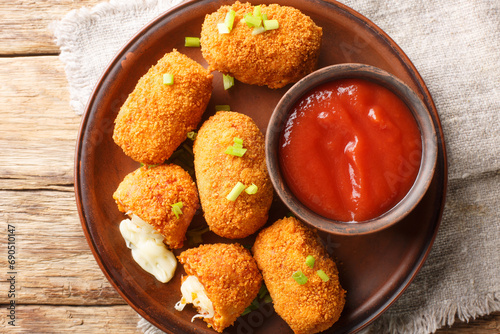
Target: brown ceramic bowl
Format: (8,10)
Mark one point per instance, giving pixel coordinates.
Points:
(415,105)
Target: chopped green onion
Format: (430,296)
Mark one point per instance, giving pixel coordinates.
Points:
(253,21)
(264,17)
(168,79)
(176,208)
(256,11)
(251,189)
(236,151)
(229,20)
(324,277)
(233,195)
(153,166)
(192,42)
(238,142)
(228,81)
(310,261)
(258,30)
(192,135)
(237,148)
(271,24)
(194,236)
(299,277)
(223,29)
(263,291)
(222,107)
(252,307)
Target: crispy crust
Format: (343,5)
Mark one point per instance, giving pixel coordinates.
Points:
(155,118)
(273,58)
(217,173)
(280,250)
(148,193)
(230,277)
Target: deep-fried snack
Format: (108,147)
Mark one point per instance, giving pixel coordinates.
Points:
(156,117)
(217,173)
(273,58)
(280,251)
(150,193)
(224,279)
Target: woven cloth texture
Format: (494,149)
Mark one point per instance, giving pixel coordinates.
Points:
(455,46)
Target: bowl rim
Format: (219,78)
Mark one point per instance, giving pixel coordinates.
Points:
(415,105)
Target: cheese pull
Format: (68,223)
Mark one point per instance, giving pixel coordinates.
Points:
(193,292)
(148,249)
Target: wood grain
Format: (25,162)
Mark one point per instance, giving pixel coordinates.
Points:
(55,264)
(24,25)
(60,287)
(38,130)
(48,319)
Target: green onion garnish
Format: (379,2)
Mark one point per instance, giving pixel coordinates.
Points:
(299,277)
(229,20)
(253,21)
(223,29)
(310,261)
(228,81)
(256,11)
(263,291)
(237,148)
(264,16)
(192,42)
(222,107)
(233,195)
(192,135)
(236,151)
(251,189)
(168,79)
(238,142)
(271,24)
(176,208)
(324,277)
(194,236)
(258,30)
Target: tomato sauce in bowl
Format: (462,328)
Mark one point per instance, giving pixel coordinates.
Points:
(350,150)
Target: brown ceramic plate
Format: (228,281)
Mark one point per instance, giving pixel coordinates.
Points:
(374,269)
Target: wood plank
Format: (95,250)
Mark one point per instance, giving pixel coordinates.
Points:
(38,129)
(485,325)
(123,319)
(54,262)
(71,319)
(24,25)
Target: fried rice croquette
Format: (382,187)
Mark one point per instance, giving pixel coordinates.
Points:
(156,117)
(280,250)
(217,173)
(150,193)
(273,58)
(229,277)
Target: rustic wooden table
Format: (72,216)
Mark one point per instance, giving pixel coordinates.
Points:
(58,285)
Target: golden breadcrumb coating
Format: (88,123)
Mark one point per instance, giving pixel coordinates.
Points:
(273,58)
(230,277)
(149,194)
(217,173)
(282,249)
(155,118)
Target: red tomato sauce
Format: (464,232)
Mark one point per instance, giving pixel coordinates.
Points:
(350,150)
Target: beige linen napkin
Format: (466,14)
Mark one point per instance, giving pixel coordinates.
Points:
(455,45)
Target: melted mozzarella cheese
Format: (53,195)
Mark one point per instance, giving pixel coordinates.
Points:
(148,249)
(193,292)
